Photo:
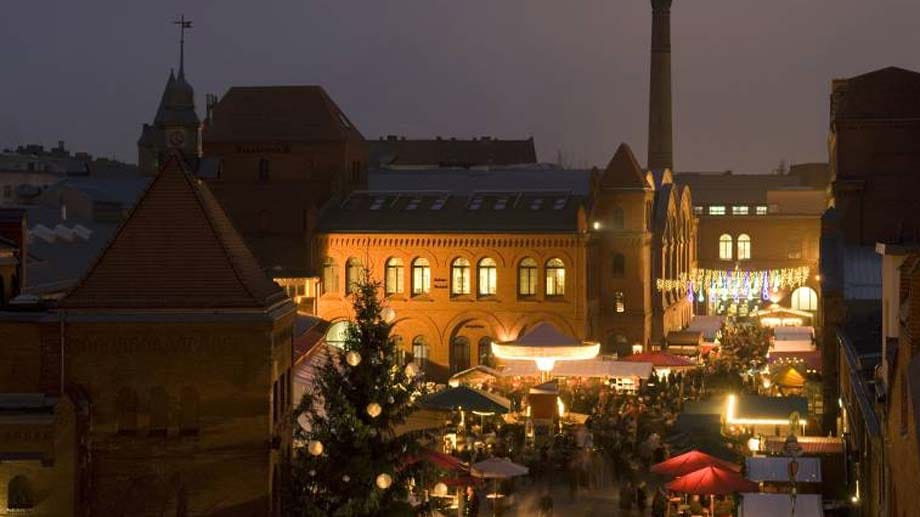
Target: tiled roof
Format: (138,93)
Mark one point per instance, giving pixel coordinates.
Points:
(467,181)
(278,114)
(623,171)
(451,152)
(177,250)
(446,212)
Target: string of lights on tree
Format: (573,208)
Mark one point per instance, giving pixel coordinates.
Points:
(735,284)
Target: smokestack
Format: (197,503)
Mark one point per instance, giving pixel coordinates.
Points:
(660,155)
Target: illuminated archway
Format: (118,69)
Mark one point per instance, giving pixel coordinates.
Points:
(805,299)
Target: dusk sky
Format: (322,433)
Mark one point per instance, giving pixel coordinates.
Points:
(751,78)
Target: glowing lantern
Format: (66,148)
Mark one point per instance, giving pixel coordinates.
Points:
(352,358)
(440,489)
(384,481)
(374,409)
(315,447)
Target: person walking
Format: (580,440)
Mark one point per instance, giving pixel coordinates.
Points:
(471,503)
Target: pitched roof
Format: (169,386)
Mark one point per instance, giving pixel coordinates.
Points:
(177,250)
(278,114)
(451,152)
(890,92)
(623,171)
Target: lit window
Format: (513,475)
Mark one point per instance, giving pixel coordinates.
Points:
(744,247)
(394,276)
(725,247)
(527,277)
(354,274)
(330,280)
(420,352)
(805,299)
(555,277)
(421,276)
(488,277)
(717,210)
(460,277)
(760,210)
(740,210)
(619,301)
(698,210)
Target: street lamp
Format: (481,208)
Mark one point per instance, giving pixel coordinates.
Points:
(793,449)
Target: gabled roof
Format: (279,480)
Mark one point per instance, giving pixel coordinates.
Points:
(176,250)
(889,92)
(623,171)
(278,114)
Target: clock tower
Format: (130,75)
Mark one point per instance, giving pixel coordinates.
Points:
(176,125)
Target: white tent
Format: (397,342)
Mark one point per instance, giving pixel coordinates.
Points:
(776,469)
(708,325)
(596,368)
(770,505)
(793,339)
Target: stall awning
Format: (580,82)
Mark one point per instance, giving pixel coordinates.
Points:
(590,368)
(468,399)
(685,338)
(770,505)
(776,469)
(661,360)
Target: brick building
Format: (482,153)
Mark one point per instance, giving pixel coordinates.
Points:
(467,257)
(161,383)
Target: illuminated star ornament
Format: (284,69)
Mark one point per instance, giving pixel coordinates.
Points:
(546,345)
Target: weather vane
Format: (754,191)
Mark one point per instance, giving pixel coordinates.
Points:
(183,24)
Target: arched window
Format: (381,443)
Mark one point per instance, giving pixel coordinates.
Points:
(805,299)
(330,276)
(460,276)
(394,276)
(485,352)
(337,333)
(744,247)
(617,218)
(421,276)
(725,247)
(401,352)
(555,277)
(159,411)
(459,354)
(354,274)
(263,169)
(619,265)
(420,352)
(126,409)
(527,277)
(188,412)
(488,277)
(19,494)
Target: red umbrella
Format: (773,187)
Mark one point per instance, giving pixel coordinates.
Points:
(690,461)
(712,480)
(438,459)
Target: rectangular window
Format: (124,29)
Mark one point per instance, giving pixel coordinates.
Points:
(527,280)
(760,210)
(740,210)
(619,301)
(488,279)
(698,210)
(421,278)
(460,277)
(717,210)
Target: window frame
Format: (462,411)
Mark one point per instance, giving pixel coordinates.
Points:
(421,276)
(715,210)
(394,271)
(726,247)
(460,268)
(555,277)
(743,246)
(354,274)
(487,277)
(528,275)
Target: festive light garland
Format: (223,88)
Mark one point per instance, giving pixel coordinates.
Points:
(735,283)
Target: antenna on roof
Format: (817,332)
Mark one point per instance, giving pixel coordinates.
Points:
(183,24)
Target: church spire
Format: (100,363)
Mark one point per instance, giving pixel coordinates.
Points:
(183,24)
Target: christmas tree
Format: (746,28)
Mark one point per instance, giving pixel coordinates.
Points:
(348,459)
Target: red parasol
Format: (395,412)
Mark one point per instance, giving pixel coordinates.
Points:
(688,462)
(712,480)
(438,459)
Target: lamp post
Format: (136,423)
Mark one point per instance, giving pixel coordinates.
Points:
(794,450)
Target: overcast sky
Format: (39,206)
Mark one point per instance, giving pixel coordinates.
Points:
(750,78)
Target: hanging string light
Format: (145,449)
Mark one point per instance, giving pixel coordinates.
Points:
(734,283)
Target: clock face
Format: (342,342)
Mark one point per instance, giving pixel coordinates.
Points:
(176,138)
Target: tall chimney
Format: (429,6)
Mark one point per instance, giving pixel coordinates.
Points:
(660,155)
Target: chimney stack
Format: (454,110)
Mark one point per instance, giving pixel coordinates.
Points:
(660,155)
